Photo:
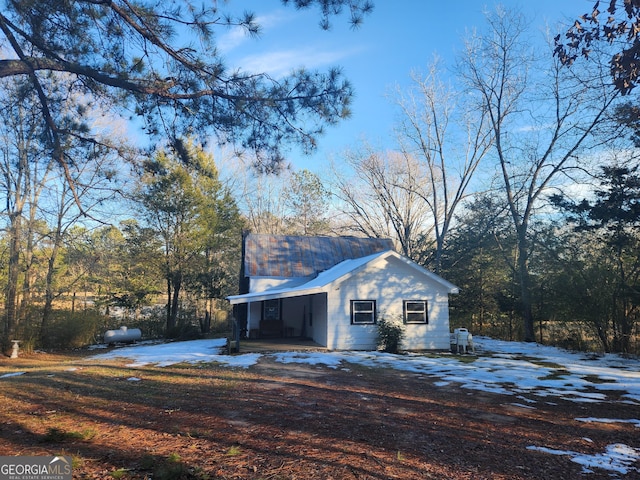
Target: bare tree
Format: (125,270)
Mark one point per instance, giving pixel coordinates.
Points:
(91,182)
(260,199)
(24,169)
(543,118)
(378,198)
(448,139)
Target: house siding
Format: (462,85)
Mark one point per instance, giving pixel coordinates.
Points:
(260,284)
(318,331)
(389,282)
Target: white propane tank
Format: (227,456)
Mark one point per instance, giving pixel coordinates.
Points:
(123,334)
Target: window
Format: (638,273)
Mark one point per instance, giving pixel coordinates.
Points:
(363,312)
(271,309)
(415,311)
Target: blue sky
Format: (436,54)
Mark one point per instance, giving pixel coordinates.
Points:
(398,37)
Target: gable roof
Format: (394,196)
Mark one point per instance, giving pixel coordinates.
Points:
(300,256)
(342,270)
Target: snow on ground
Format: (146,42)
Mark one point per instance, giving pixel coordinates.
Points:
(529,372)
(165,354)
(617,458)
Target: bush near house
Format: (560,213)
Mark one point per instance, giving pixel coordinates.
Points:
(390,334)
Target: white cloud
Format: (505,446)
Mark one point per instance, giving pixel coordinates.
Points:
(282,62)
(235,37)
(273,52)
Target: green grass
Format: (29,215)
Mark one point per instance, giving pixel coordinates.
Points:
(555,375)
(557,371)
(120,473)
(466,358)
(233,451)
(597,379)
(56,435)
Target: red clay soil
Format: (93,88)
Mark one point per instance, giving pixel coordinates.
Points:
(284,421)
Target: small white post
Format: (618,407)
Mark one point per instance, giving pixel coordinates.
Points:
(16,348)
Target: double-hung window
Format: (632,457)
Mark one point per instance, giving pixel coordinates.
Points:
(415,311)
(363,312)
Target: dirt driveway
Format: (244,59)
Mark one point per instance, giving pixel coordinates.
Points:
(289,421)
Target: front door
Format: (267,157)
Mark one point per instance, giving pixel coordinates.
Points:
(271,323)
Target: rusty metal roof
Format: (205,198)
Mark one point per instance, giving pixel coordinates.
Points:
(299,256)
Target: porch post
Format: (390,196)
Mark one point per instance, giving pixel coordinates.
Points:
(248,319)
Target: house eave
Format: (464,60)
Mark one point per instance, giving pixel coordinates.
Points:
(450,287)
(334,276)
(262,296)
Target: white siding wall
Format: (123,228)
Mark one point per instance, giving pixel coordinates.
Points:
(318,331)
(260,284)
(389,283)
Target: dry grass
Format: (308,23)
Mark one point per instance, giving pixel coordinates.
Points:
(277,421)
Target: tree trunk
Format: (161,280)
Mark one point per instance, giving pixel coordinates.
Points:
(177,284)
(170,318)
(28,280)
(49,293)
(604,340)
(174,284)
(525,287)
(11,293)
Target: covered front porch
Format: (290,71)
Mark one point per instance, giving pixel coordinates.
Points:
(282,322)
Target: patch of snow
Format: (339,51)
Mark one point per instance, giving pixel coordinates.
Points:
(522,405)
(13,374)
(617,457)
(166,354)
(525,399)
(633,421)
(311,358)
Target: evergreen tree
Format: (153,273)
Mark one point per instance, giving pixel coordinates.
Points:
(159,60)
(480,259)
(307,202)
(196,219)
(613,219)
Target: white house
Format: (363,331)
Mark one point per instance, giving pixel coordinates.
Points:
(332,290)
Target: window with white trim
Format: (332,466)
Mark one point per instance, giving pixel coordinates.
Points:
(415,311)
(363,312)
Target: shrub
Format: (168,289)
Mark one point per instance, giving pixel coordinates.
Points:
(390,334)
(72,329)
(64,329)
